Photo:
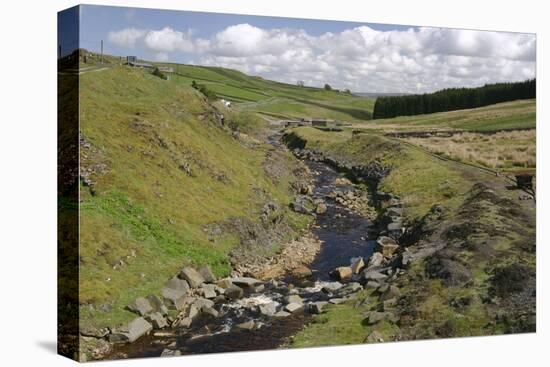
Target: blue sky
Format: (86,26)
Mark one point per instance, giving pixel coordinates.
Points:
(363,57)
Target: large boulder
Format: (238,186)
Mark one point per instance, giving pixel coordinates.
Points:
(174,299)
(387,246)
(193,277)
(331,287)
(137,328)
(316,307)
(207,274)
(203,303)
(141,306)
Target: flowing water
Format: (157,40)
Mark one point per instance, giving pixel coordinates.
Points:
(343,237)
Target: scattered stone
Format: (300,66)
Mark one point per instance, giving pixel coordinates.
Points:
(141,306)
(157,320)
(301,271)
(342,273)
(209,291)
(316,307)
(94,333)
(203,303)
(391,292)
(294,307)
(395,229)
(211,311)
(157,304)
(337,301)
(375,317)
(177,284)
(282,314)
(331,287)
(387,246)
(233,292)
(248,325)
(137,328)
(321,208)
(220,299)
(376,260)
(193,277)
(373,275)
(175,299)
(207,274)
(357,265)
(170,353)
(349,289)
(388,304)
(259,288)
(371,284)
(268,309)
(245,281)
(184,323)
(294,299)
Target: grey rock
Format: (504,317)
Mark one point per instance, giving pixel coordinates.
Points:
(184,322)
(387,246)
(157,320)
(157,304)
(203,303)
(211,311)
(207,274)
(141,306)
(294,299)
(374,337)
(375,317)
(137,328)
(248,325)
(175,299)
(268,309)
(391,292)
(294,307)
(317,307)
(177,284)
(373,275)
(331,287)
(321,208)
(371,284)
(395,229)
(245,281)
(282,314)
(376,260)
(193,277)
(233,292)
(209,291)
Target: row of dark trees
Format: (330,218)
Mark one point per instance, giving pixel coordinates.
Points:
(453,99)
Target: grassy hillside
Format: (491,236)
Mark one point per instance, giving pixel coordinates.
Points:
(158,168)
(501,116)
(275,99)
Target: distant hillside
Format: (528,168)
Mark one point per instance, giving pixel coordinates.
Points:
(453,99)
(377,95)
(274,99)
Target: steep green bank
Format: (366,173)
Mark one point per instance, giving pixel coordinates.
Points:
(470,249)
(161,172)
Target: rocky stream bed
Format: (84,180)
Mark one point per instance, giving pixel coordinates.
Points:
(243,313)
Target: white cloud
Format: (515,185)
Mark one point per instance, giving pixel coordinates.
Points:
(362,58)
(169,40)
(125,37)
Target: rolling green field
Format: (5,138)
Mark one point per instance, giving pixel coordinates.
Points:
(275,99)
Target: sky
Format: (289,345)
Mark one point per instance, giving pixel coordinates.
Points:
(362,57)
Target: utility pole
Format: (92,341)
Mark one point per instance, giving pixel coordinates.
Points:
(59,51)
(102,51)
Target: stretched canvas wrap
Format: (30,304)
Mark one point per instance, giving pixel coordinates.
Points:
(232,183)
